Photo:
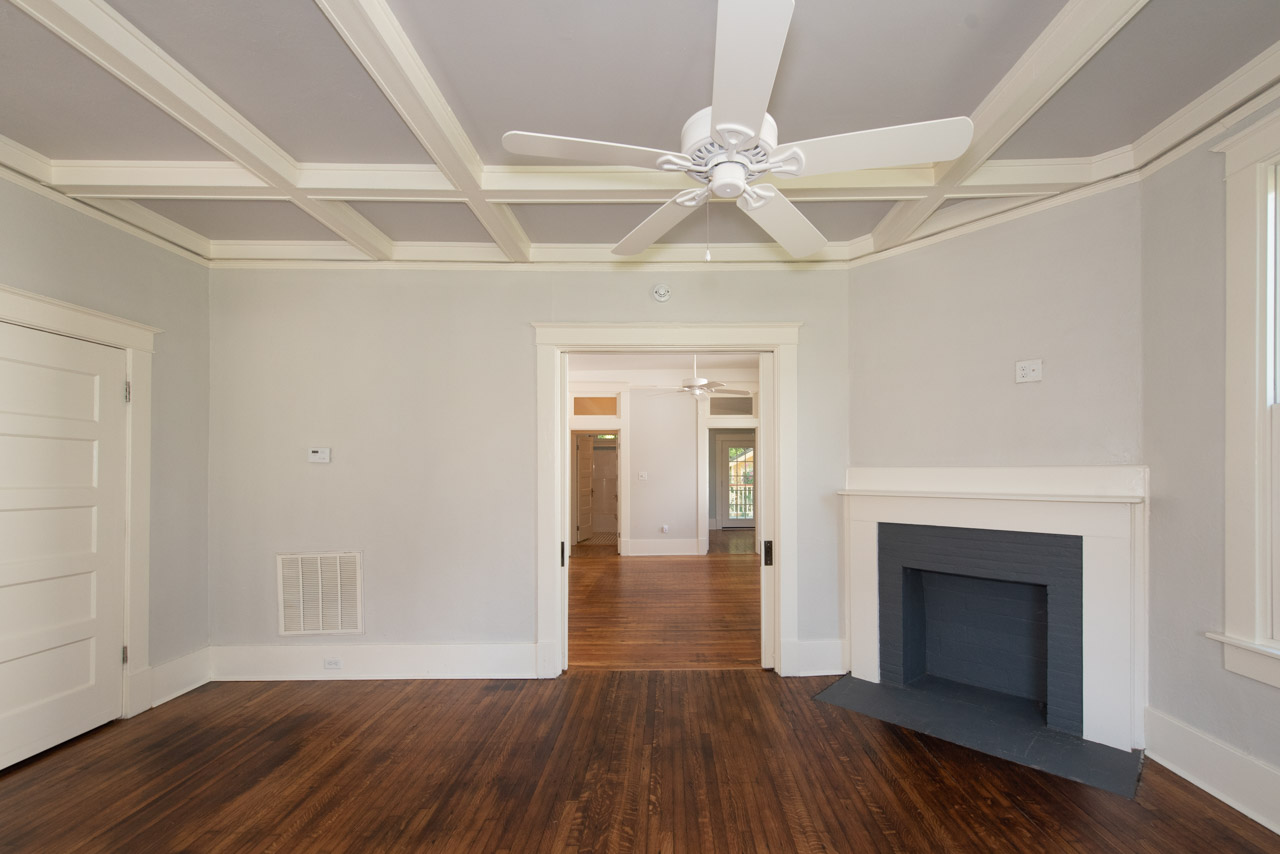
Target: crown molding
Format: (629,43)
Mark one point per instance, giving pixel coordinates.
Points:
(19,158)
(53,195)
(150,221)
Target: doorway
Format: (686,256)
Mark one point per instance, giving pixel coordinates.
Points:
(595,488)
(776,454)
(734,478)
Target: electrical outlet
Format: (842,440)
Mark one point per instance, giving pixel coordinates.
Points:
(333,664)
(1027,371)
(666,529)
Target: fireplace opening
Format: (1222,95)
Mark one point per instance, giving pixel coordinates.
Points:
(989,617)
(982,632)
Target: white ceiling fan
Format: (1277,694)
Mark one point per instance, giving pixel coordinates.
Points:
(701,386)
(732,144)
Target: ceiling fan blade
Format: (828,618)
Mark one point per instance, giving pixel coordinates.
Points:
(590,150)
(900,145)
(659,223)
(783,221)
(749,39)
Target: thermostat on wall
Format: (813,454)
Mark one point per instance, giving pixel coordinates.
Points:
(318,455)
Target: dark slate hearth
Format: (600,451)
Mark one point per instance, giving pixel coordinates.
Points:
(996,724)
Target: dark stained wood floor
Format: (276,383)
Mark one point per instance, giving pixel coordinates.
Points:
(678,761)
(664,613)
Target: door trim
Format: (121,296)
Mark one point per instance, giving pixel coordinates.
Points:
(776,440)
(138,341)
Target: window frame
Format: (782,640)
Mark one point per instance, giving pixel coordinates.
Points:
(1251,642)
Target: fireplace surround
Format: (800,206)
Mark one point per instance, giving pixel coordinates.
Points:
(1103,508)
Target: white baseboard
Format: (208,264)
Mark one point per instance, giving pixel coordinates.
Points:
(137,692)
(177,677)
(1231,776)
(662,547)
(813,658)
(376,661)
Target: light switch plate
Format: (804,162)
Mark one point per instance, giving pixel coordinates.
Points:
(318,455)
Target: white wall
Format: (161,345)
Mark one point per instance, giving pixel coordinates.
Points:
(50,248)
(423,383)
(664,445)
(935,332)
(1183,330)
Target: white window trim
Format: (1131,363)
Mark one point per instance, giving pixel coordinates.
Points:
(1250,646)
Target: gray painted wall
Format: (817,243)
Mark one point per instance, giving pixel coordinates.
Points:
(664,445)
(934,334)
(49,248)
(434,478)
(1183,417)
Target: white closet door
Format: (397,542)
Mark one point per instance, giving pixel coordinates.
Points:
(62,538)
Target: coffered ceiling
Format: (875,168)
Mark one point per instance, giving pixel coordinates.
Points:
(243,131)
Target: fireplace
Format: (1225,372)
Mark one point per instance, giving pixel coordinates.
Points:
(1094,646)
(995,610)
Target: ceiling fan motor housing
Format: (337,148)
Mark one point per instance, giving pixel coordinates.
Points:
(726,172)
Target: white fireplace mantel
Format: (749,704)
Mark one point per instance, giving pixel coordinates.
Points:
(1104,505)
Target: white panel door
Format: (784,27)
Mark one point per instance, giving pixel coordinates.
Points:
(62,538)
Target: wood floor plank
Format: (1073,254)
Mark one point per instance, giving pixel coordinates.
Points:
(679,760)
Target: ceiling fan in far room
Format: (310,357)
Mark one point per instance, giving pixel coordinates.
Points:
(732,144)
(701,386)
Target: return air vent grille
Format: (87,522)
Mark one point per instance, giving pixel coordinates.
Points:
(319,593)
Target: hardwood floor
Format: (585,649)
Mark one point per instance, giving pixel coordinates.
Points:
(682,761)
(663,613)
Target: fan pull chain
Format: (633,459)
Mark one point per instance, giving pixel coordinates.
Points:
(708,232)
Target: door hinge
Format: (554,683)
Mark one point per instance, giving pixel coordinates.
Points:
(124,655)
(128,391)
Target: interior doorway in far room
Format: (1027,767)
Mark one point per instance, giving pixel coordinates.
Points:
(732,498)
(595,488)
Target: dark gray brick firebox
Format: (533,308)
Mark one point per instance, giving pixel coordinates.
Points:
(1000,610)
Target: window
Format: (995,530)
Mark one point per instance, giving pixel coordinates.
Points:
(1251,634)
(596,405)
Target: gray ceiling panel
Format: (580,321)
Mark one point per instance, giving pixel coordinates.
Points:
(1169,54)
(444,222)
(68,108)
(283,66)
(221,219)
(854,66)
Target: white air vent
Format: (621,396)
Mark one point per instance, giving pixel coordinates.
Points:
(319,593)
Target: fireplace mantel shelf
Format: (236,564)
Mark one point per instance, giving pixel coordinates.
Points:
(996,496)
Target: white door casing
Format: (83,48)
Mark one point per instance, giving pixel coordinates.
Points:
(723,476)
(777,450)
(62,538)
(135,341)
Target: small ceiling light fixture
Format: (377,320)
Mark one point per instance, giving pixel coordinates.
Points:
(661,293)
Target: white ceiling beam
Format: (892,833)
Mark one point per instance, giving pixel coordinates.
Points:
(135,179)
(103,35)
(374,35)
(1078,32)
(148,220)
